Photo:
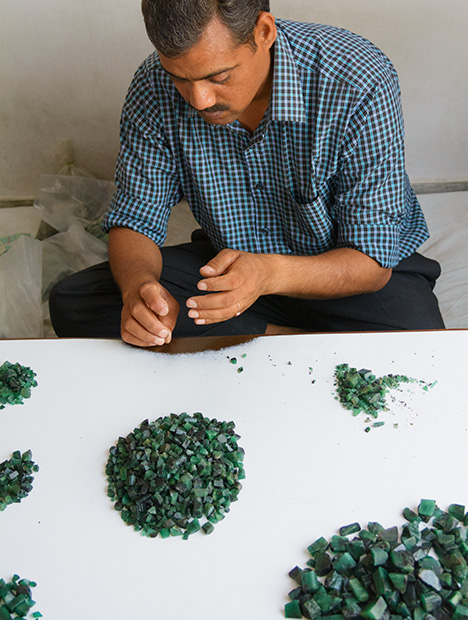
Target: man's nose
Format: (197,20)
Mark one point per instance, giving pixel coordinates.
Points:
(201,96)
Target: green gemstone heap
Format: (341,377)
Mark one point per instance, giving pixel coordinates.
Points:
(382,574)
(176,475)
(16,479)
(361,391)
(16,599)
(16,382)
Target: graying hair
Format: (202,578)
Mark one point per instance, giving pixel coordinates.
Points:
(174,26)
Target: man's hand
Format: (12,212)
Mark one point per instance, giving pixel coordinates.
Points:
(149,311)
(236,280)
(149,315)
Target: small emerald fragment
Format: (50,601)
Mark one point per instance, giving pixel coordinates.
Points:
(292,610)
(375,610)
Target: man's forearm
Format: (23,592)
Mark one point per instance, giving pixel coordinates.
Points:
(237,279)
(337,273)
(133,258)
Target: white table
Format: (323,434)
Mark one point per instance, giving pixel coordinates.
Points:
(310,466)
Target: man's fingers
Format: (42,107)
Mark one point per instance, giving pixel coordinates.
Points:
(219,313)
(147,319)
(134,333)
(152,296)
(218,265)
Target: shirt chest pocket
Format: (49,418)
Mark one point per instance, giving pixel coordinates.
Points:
(308,226)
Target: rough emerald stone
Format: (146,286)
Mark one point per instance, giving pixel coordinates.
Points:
(311,609)
(430,601)
(379,556)
(292,610)
(375,609)
(321,544)
(322,563)
(426,508)
(309,581)
(461,612)
(359,592)
(352,528)
(345,563)
(339,543)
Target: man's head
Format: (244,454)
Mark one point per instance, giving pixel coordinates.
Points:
(174,26)
(221,69)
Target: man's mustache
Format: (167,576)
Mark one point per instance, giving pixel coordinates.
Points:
(217,107)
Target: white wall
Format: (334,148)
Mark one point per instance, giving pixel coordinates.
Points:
(65,68)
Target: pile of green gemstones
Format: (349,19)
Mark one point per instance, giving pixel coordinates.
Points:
(362,392)
(16,479)
(16,599)
(382,574)
(16,382)
(168,476)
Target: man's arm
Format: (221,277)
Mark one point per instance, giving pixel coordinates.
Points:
(149,312)
(240,278)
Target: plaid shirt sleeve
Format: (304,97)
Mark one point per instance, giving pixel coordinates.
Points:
(372,185)
(147,178)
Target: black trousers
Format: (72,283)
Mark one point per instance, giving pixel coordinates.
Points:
(88,304)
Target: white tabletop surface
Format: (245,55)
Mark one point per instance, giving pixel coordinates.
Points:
(310,466)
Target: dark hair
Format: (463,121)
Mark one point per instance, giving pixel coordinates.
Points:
(174,26)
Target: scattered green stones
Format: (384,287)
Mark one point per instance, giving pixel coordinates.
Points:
(176,476)
(16,479)
(16,382)
(233,360)
(362,392)
(382,574)
(16,599)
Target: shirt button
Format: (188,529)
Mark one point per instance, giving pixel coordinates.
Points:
(259,185)
(266,231)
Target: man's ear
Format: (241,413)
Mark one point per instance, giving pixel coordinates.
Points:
(265,30)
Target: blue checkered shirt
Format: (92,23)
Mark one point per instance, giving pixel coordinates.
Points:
(324,169)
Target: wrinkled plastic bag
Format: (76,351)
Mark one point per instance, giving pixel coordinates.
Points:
(66,199)
(74,206)
(68,252)
(20,289)
(69,238)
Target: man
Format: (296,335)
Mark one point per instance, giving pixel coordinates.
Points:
(287,141)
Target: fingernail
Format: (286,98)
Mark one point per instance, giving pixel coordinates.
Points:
(208,269)
(193,314)
(164,333)
(202,286)
(191,303)
(200,322)
(158,342)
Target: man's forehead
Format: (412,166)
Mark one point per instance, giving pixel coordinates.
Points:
(214,53)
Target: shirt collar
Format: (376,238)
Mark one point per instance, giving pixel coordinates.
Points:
(287,102)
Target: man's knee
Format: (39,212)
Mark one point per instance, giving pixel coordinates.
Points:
(86,304)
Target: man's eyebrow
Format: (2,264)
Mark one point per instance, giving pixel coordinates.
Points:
(205,77)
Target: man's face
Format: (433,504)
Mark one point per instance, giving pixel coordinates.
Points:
(220,78)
